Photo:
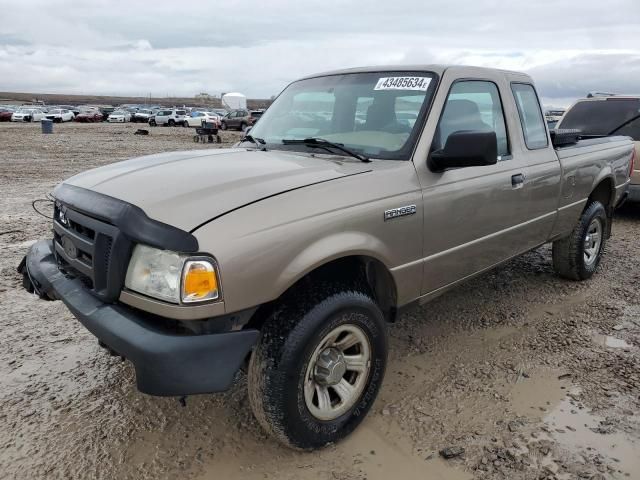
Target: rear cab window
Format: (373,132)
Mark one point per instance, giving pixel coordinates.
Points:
(531,119)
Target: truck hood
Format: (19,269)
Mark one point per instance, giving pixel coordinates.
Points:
(187,189)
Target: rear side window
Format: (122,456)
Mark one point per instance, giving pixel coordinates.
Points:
(601,117)
(472,105)
(531,119)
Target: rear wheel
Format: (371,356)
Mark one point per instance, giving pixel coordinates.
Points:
(223,126)
(318,367)
(152,123)
(577,256)
(185,124)
(172,122)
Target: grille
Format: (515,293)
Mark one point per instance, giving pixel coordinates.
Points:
(91,250)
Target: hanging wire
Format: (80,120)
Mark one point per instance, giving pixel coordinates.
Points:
(40,200)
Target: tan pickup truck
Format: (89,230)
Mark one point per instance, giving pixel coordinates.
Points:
(357,194)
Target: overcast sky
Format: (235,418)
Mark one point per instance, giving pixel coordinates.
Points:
(256,47)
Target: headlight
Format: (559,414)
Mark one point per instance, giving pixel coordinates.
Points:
(172,276)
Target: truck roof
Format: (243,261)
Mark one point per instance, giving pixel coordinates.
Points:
(461,70)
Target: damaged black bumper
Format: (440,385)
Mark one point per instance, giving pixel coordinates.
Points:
(165,363)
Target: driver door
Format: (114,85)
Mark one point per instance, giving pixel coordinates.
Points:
(469,212)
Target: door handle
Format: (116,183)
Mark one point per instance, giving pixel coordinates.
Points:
(517,181)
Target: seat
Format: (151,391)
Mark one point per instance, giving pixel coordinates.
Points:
(381,116)
(460,115)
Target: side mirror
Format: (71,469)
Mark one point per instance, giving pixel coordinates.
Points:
(466,148)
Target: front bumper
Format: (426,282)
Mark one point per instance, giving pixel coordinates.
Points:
(165,363)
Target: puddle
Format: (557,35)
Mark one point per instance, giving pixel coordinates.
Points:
(611,342)
(535,396)
(576,435)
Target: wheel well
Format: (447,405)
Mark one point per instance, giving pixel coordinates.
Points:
(356,271)
(603,193)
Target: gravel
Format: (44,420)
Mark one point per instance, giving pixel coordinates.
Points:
(529,375)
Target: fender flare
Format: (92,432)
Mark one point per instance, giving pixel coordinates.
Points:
(330,248)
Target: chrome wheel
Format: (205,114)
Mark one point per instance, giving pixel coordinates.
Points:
(592,242)
(337,372)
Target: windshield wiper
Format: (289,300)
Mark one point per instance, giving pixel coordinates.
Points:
(327,145)
(259,142)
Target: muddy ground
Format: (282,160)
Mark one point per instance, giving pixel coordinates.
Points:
(533,376)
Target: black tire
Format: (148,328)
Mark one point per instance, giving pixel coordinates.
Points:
(569,253)
(243,126)
(279,363)
(152,123)
(172,122)
(223,126)
(185,124)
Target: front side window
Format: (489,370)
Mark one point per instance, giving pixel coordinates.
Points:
(372,113)
(531,119)
(473,105)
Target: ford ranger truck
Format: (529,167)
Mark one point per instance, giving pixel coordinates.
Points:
(358,194)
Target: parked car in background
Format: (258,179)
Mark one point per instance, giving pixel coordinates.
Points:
(553,116)
(170,117)
(6,113)
(60,115)
(240,119)
(196,119)
(27,115)
(605,115)
(106,111)
(295,252)
(142,115)
(119,116)
(89,116)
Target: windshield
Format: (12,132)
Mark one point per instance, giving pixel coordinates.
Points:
(601,117)
(376,114)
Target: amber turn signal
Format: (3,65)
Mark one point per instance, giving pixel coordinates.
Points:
(199,281)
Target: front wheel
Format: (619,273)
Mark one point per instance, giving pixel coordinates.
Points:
(185,124)
(577,256)
(223,126)
(318,367)
(172,122)
(152,123)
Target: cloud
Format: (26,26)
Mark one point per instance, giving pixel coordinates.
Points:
(167,47)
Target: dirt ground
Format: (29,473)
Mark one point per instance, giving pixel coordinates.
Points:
(533,376)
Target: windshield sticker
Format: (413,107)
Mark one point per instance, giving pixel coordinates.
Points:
(403,83)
